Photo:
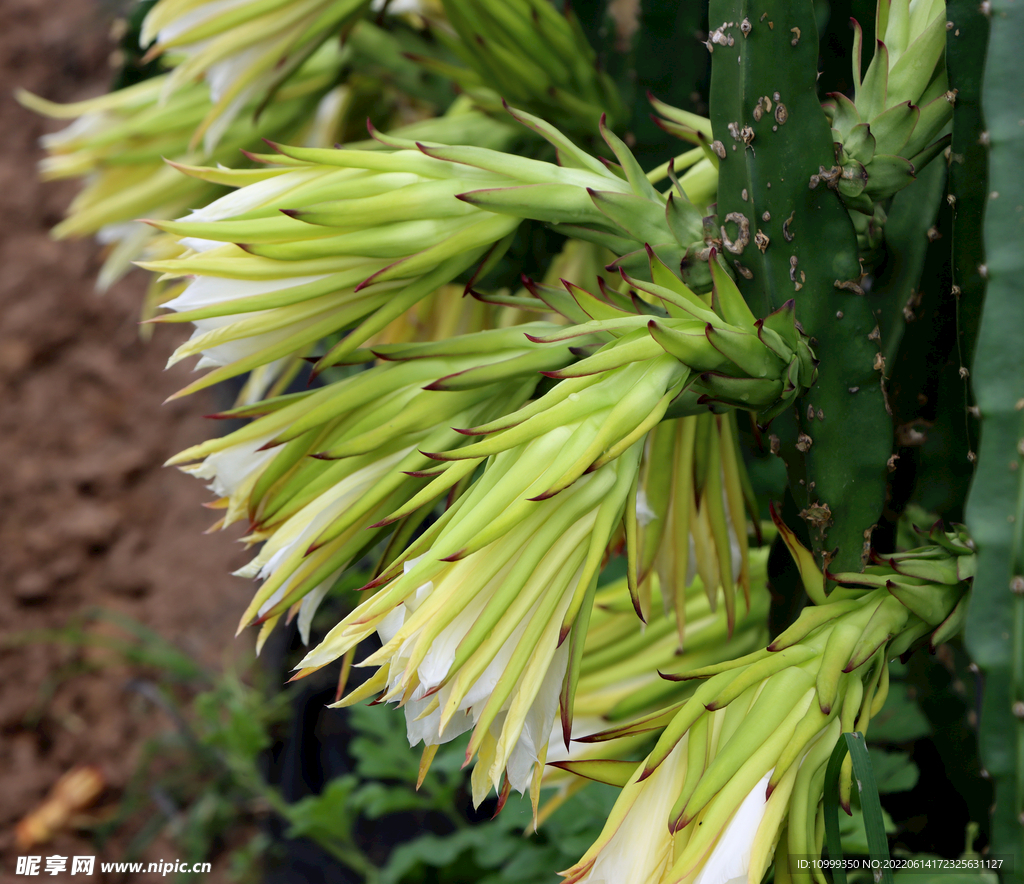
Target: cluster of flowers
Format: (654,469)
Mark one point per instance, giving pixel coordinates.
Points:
(493,450)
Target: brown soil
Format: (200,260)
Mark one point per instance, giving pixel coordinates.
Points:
(88,516)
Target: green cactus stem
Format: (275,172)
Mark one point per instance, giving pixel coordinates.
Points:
(910,218)
(788,236)
(966,44)
(995,508)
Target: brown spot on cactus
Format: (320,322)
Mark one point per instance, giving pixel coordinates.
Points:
(817,515)
(781,114)
(848,285)
(907,435)
(787,234)
(743,237)
(761,240)
(803,443)
(796,36)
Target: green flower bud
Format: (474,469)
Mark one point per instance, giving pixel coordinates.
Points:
(744,757)
(526,52)
(244,51)
(891,129)
(118,144)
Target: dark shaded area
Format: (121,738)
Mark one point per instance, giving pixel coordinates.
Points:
(312,750)
(951,792)
(665,55)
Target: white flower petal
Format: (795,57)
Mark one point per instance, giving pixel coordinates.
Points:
(229,469)
(582,726)
(537,727)
(87,124)
(113,233)
(425,730)
(252,196)
(221,75)
(308,606)
(729,861)
(391,623)
(640,851)
(476,697)
(197,16)
(196,244)
(438,660)
(205,291)
(644,514)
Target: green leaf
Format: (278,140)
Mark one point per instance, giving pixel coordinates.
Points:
(381,751)
(866,788)
(325,817)
(851,829)
(232,724)
(894,771)
(488,847)
(374,800)
(901,720)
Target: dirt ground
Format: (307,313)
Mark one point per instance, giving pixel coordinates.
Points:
(88,516)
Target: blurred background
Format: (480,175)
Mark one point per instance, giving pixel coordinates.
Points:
(89,520)
(133,726)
